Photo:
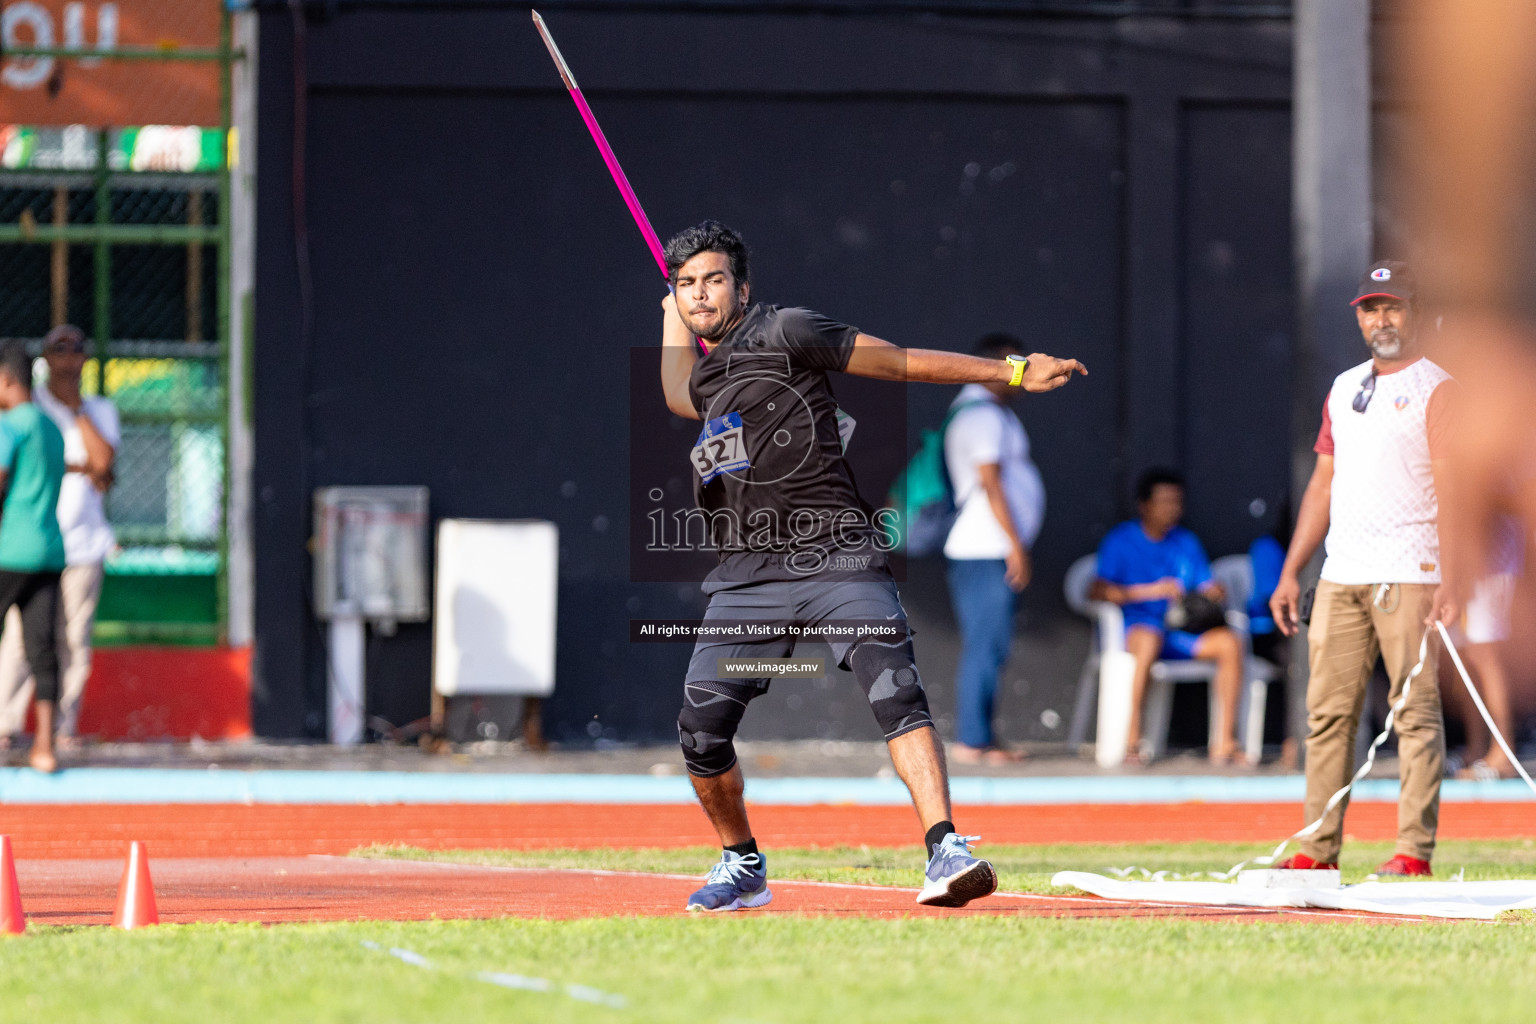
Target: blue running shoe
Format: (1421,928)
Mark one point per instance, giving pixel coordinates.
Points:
(954,877)
(735,883)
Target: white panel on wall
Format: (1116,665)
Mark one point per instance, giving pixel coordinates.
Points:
(494,631)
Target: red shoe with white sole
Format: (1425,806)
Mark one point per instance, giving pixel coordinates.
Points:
(1301,862)
(1402,866)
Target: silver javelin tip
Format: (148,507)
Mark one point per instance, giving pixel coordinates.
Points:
(554,52)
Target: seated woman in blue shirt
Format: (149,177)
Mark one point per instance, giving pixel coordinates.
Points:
(1143,565)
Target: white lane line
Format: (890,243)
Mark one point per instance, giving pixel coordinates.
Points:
(414,959)
(593,995)
(516,981)
(605,873)
(1330,915)
(1307,911)
(584,993)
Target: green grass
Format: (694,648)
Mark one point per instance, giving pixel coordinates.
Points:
(1020,868)
(792,969)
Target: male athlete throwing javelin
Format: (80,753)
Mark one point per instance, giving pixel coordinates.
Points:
(798,547)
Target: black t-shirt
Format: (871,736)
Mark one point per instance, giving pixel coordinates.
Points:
(768,469)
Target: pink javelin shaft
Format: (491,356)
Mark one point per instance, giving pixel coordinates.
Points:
(641,220)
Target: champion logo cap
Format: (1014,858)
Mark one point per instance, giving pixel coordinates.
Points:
(1391,279)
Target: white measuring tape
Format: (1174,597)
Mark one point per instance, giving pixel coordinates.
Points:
(1365,769)
(1482,708)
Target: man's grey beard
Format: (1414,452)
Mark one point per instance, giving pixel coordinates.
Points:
(1387,344)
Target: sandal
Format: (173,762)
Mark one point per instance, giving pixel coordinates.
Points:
(1232,755)
(1481,771)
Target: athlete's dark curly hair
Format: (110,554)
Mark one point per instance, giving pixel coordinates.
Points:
(709,236)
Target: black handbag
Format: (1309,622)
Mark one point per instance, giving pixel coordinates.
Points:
(1194,613)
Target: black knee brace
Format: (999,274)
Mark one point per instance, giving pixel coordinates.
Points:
(707,724)
(895,691)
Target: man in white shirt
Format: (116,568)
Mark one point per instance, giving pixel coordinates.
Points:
(1001,502)
(91,436)
(1374,499)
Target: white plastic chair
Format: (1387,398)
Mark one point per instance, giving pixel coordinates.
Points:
(1109,635)
(1235,574)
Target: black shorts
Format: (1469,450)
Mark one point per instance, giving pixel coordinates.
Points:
(860,619)
(815,605)
(36,595)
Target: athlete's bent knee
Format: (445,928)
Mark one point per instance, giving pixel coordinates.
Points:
(890,681)
(706,727)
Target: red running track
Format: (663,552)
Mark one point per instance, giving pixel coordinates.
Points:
(291,889)
(53,831)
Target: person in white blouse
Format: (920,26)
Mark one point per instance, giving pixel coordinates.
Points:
(91,437)
(1000,500)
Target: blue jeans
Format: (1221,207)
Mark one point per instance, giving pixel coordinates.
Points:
(983,603)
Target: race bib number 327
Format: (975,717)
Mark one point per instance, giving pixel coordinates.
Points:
(721,447)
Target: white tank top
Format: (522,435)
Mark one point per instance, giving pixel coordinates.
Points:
(1382,517)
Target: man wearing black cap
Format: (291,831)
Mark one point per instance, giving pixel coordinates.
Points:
(1374,496)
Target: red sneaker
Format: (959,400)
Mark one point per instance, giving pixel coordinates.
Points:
(1301,862)
(1401,866)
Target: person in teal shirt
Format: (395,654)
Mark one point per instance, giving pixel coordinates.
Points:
(31,546)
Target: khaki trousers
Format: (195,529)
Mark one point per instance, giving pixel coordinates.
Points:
(79,593)
(1349,629)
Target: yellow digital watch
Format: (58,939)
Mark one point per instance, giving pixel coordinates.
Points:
(1019,364)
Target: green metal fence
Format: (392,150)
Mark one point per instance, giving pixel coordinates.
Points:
(125,232)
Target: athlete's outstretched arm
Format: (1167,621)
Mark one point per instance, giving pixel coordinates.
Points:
(881,360)
(677,359)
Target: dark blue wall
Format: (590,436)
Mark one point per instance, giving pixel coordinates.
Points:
(1113,189)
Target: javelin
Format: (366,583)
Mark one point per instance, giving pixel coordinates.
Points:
(641,221)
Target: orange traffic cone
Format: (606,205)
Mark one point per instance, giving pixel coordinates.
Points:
(136,893)
(12,920)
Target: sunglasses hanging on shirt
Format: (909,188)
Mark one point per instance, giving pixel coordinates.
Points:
(1367,390)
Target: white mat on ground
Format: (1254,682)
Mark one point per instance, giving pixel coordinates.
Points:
(1477,900)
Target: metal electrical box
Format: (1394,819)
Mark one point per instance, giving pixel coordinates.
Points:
(371,554)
